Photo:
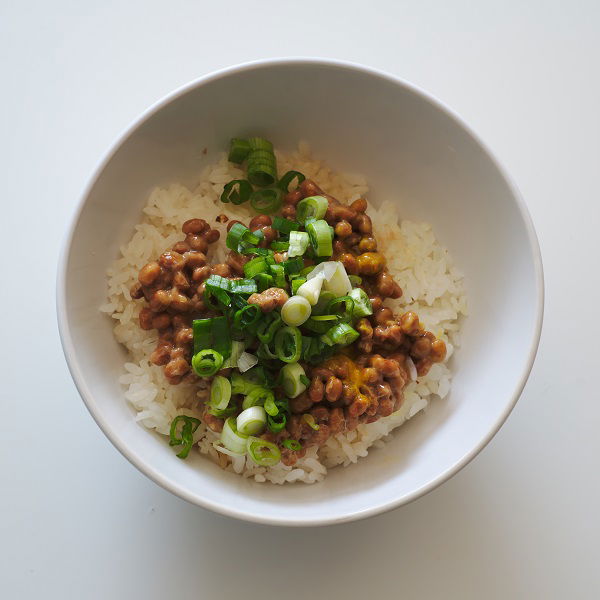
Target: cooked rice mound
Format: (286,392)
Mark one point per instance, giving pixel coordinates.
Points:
(432,287)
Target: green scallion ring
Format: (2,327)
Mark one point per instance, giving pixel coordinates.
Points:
(291,444)
(284,183)
(348,312)
(320,237)
(313,207)
(236,191)
(276,423)
(207,362)
(263,453)
(238,151)
(256,143)
(247,316)
(266,201)
(288,344)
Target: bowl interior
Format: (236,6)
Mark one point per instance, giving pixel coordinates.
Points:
(412,151)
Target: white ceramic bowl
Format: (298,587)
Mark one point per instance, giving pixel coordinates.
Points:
(408,145)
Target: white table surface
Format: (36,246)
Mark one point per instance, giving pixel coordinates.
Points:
(78,521)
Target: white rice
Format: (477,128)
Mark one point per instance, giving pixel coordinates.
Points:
(432,287)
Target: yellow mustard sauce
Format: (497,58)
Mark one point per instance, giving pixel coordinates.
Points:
(354,378)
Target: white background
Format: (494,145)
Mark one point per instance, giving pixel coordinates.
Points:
(78,521)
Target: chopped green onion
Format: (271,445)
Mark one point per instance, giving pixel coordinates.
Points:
(246,361)
(257,143)
(221,336)
(207,362)
(295,311)
(266,201)
(313,207)
(236,191)
(293,266)
(264,352)
(288,344)
(254,250)
(311,290)
(310,421)
(231,438)
(241,384)
(284,225)
(284,182)
(223,414)
(236,351)
(262,166)
(296,283)
(319,326)
(291,444)
(277,422)
(341,334)
(264,281)
(348,305)
(307,270)
(220,392)
(247,316)
(355,280)
(278,273)
(266,330)
(242,286)
(280,246)
(320,238)
(255,266)
(305,380)
(315,351)
(257,397)
(238,151)
(263,453)
(235,235)
(362,304)
(190,424)
(252,420)
(270,407)
(325,298)
(292,379)
(299,241)
(202,332)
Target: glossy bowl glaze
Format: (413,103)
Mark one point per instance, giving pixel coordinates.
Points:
(411,148)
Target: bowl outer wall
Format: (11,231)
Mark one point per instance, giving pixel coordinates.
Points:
(302,510)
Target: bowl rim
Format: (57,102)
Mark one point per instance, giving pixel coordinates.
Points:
(233,511)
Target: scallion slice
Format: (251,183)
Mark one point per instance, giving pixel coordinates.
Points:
(288,344)
(231,438)
(320,237)
(247,316)
(291,379)
(207,362)
(299,241)
(296,283)
(266,329)
(202,333)
(278,273)
(285,225)
(266,201)
(311,290)
(257,397)
(280,246)
(271,407)
(310,421)
(262,452)
(284,182)
(295,311)
(236,191)
(242,286)
(341,334)
(238,151)
(251,421)
(355,280)
(255,266)
(277,422)
(235,235)
(313,207)
(237,348)
(185,438)
(293,266)
(348,308)
(221,333)
(362,304)
(246,361)
(291,444)
(220,392)
(264,281)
